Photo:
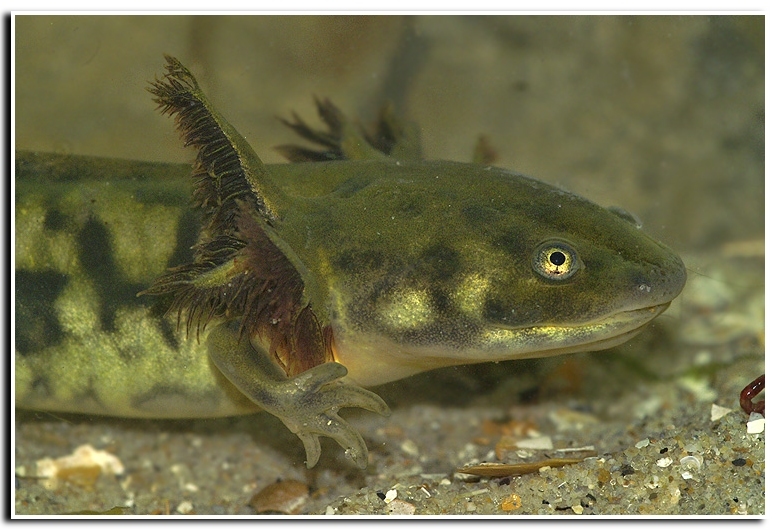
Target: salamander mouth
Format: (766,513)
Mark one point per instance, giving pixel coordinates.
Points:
(496,344)
(502,344)
(598,335)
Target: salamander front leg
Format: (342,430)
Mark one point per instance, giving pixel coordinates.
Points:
(308,403)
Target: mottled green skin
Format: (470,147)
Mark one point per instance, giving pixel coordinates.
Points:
(415,265)
(426,264)
(90,234)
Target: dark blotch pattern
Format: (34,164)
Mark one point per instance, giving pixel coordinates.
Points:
(186,237)
(157,312)
(480,215)
(354,261)
(97,258)
(439,262)
(504,313)
(440,301)
(37,326)
(516,244)
(410,208)
(55,220)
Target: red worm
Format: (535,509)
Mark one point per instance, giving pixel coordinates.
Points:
(751,391)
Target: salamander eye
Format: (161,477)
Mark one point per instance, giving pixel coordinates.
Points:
(556,260)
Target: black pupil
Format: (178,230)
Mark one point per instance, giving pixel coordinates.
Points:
(557,258)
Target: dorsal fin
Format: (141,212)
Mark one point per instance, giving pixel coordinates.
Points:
(344,141)
(241,268)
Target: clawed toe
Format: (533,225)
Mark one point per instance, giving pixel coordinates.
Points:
(317,415)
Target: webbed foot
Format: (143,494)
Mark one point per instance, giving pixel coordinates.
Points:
(311,409)
(308,403)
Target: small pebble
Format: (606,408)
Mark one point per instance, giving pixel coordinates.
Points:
(184,507)
(755,424)
(541,443)
(83,467)
(693,462)
(391,495)
(513,502)
(399,507)
(410,448)
(286,496)
(718,412)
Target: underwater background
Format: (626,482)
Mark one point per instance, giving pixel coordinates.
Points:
(660,115)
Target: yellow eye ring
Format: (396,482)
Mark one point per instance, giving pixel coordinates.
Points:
(556,260)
